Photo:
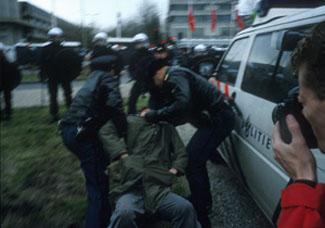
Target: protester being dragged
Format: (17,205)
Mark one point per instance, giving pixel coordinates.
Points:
(303,200)
(98,101)
(178,96)
(10,78)
(144,169)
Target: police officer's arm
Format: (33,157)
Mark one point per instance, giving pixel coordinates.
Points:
(114,105)
(180,161)
(180,89)
(113,144)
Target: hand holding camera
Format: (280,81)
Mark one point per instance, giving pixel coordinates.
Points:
(291,105)
(295,157)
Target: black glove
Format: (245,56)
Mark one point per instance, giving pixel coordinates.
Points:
(151,116)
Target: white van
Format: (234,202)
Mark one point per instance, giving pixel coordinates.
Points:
(260,76)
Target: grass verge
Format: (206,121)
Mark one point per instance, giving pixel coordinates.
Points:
(41,182)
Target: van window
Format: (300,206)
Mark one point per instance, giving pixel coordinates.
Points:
(229,67)
(260,78)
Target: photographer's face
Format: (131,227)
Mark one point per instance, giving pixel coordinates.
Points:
(313,108)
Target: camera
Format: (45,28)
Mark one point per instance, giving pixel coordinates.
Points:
(291,105)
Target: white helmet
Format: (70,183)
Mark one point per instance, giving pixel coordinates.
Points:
(56,31)
(200,48)
(2,47)
(100,37)
(140,38)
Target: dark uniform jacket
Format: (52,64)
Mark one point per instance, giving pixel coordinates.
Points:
(47,64)
(138,62)
(184,97)
(10,76)
(99,99)
(153,149)
(100,50)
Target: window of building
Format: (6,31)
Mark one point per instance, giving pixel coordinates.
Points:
(199,7)
(260,77)
(224,31)
(223,18)
(185,7)
(180,19)
(198,33)
(224,7)
(229,67)
(178,7)
(202,19)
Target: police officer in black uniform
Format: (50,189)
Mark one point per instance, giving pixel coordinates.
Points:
(49,71)
(136,69)
(178,96)
(10,78)
(100,48)
(98,101)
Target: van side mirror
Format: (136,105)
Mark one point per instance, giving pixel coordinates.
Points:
(288,40)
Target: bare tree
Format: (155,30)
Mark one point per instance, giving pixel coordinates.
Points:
(146,21)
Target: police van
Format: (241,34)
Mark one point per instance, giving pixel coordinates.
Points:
(259,75)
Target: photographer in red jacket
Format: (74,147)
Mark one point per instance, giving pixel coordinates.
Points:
(303,201)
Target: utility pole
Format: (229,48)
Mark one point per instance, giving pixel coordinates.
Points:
(83,31)
(119,25)
(233,9)
(54,22)
(189,6)
(189,31)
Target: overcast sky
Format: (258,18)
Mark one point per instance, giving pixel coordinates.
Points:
(104,12)
(101,12)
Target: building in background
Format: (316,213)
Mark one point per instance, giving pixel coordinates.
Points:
(38,19)
(12,27)
(22,21)
(177,22)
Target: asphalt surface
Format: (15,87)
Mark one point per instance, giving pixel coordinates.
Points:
(232,206)
(36,94)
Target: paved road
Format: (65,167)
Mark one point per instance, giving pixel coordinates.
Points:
(232,205)
(36,94)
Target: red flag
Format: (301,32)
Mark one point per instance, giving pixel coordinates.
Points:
(191,19)
(213,20)
(240,21)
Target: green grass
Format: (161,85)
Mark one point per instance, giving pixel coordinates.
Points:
(30,77)
(41,182)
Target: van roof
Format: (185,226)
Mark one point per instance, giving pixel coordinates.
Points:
(308,13)
(120,39)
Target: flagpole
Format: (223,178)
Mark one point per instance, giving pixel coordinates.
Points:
(189,32)
(232,9)
(211,8)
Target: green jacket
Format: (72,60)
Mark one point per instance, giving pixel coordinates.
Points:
(153,149)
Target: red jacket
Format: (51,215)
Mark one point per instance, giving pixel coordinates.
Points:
(302,206)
